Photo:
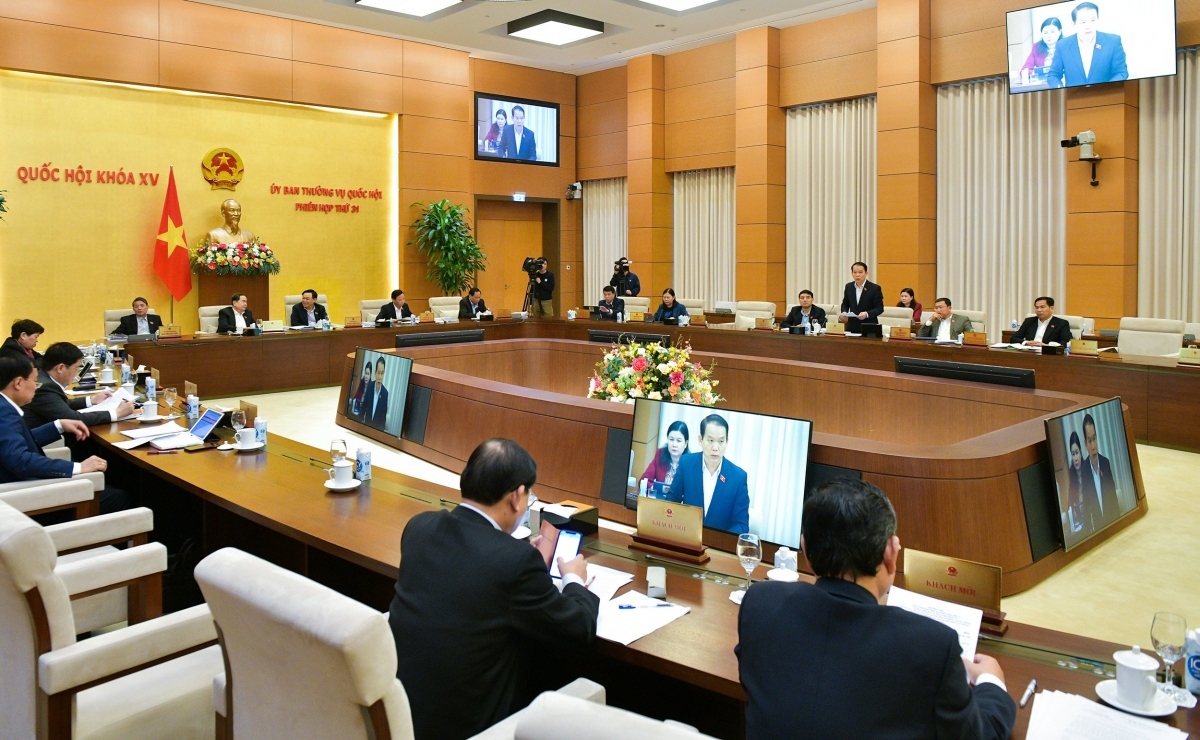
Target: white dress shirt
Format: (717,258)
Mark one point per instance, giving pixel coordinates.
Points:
(312,315)
(858,290)
(77,468)
(944,330)
(710,482)
(567,577)
(1096,478)
(1086,50)
(143,324)
(517,137)
(239,320)
(375,407)
(1041,332)
(989,678)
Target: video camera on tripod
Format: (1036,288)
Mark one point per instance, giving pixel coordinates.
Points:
(532,266)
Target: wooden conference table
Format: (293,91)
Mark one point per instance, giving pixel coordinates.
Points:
(274,505)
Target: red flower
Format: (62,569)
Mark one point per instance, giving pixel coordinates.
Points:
(677,378)
(640,364)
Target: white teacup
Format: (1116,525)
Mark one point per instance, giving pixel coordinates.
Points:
(106,375)
(685,320)
(1136,682)
(342,473)
(150,410)
(245,439)
(570,315)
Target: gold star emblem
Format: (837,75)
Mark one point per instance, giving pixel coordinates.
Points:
(173,236)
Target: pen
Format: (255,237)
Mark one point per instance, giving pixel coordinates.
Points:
(642,606)
(162,452)
(1028,692)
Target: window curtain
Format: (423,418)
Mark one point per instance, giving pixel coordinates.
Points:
(1169,194)
(705,235)
(830,196)
(1001,200)
(605,233)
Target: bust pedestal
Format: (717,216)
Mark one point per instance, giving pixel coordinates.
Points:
(216,290)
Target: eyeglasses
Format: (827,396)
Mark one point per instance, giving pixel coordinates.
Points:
(533,499)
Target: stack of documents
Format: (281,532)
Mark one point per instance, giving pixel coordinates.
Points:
(113,401)
(145,434)
(964,620)
(1060,716)
(640,616)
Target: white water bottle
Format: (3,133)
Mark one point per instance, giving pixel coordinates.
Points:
(1191,662)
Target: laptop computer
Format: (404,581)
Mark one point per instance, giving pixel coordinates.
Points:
(192,437)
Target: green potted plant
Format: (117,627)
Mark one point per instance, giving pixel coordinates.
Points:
(443,233)
(3,209)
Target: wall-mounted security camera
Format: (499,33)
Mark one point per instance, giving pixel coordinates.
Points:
(1086,141)
(575,191)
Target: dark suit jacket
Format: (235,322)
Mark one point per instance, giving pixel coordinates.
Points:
(388,311)
(629,282)
(128,325)
(300,316)
(871,302)
(805,649)
(464,308)
(1107,492)
(729,509)
(475,615)
(12,349)
(614,308)
(226,321)
(50,404)
(1108,62)
(508,144)
(795,317)
(379,418)
(21,456)
(1058,330)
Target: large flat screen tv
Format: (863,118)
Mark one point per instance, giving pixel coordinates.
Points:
(1090,42)
(379,390)
(1092,470)
(759,461)
(516,130)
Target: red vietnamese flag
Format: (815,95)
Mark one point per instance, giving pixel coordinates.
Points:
(170,249)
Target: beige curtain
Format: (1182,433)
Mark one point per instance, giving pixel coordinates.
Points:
(705,235)
(1001,200)
(830,195)
(605,233)
(1169,194)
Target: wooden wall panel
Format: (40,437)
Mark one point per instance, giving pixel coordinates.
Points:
(437,100)
(839,36)
(602,116)
(703,100)
(347,88)
(435,136)
(966,56)
(433,63)
(337,47)
(697,66)
(839,78)
(128,18)
(199,24)
(228,72)
(40,47)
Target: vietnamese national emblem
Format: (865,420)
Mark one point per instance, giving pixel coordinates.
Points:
(222,168)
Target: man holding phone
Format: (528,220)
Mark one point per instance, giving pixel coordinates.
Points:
(476,617)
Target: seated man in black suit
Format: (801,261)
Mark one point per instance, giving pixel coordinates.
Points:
(862,302)
(397,309)
(476,615)
(141,321)
(1043,327)
(805,313)
(471,304)
(236,317)
(611,305)
(308,312)
(831,660)
(60,368)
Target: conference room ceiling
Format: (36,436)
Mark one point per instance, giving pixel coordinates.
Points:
(632,27)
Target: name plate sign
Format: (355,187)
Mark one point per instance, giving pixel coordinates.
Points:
(1085,347)
(637,315)
(975,338)
(1189,356)
(834,328)
(670,529)
(353,322)
(961,581)
(900,332)
(169,331)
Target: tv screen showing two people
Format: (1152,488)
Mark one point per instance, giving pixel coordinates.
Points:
(1090,42)
(1092,469)
(515,130)
(378,390)
(746,470)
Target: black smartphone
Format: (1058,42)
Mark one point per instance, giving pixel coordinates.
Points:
(201,448)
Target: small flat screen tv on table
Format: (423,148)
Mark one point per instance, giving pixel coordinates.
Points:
(379,390)
(516,130)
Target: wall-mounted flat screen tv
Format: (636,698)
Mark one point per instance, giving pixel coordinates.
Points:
(1089,42)
(379,390)
(516,130)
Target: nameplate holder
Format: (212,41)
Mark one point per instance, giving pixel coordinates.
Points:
(697,320)
(169,331)
(834,328)
(190,389)
(764,323)
(584,520)
(900,332)
(637,315)
(670,530)
(1085,347)
(1189,356)
(353,322)
(961,581)
(251,410)
(975,338)
(154,374)
(427,316)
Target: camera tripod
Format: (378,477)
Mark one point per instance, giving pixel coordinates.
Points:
(528,304)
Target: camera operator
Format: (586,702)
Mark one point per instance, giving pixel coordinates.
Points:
(623,281)
(543,289)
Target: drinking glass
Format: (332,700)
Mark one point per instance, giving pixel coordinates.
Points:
(237,420)
(169,396)
(1168,632)
(337,450)
(749,552)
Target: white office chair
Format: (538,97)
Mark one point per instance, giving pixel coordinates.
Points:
(636,303)
(301,656)
(1157,337)
(1193,329)
(79,684)
(831,310)
(896,316)
(371,307)
(978,318)
(444,307)
(292,300)
(113,316)
(695,306)
(747,311)
(208,319)
(1077,323)
(564,714)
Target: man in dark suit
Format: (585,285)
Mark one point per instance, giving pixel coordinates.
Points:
(1090,56)
(807,652)
(375,399)
(611,305)
(141,321)
(517,142)
(1043,327)
(60,368)
(707,479)
(805,313)
(476,617)
(471,304)
(862,301)
(236,317)
(397,309)
(308,312)
(1098,469)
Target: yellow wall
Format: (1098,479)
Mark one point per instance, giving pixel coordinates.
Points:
(68,251)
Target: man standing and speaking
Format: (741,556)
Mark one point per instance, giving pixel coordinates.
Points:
(862,302)
(543,289)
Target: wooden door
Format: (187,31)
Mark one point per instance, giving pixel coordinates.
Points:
(508,232)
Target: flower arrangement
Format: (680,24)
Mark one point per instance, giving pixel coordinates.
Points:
(653,371)
(216,258)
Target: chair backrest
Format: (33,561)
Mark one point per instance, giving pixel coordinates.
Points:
(1193,329)
(693,305)
(1076,323)
(978,319)
(296,649)
(113,316)
(292,300)
(636,303)
(553,715)
(208,318)
(27,560)
(371,307)
(896,316)
(1160,337)
(748,311)
(831,310)
(445,307)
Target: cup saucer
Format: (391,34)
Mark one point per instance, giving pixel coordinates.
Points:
(1163,706)
(252,448)
(332,486)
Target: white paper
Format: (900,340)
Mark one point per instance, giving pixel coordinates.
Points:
(627,625)
(605,582)
(158,431)
(1061,716)
(72,393)
(129,444)
(965,620)
(559,510)
(113,401)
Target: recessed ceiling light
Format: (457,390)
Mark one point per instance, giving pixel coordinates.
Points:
(554,27)
(678,5)
(418,8)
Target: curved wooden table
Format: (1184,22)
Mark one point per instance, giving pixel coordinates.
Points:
(957,489)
